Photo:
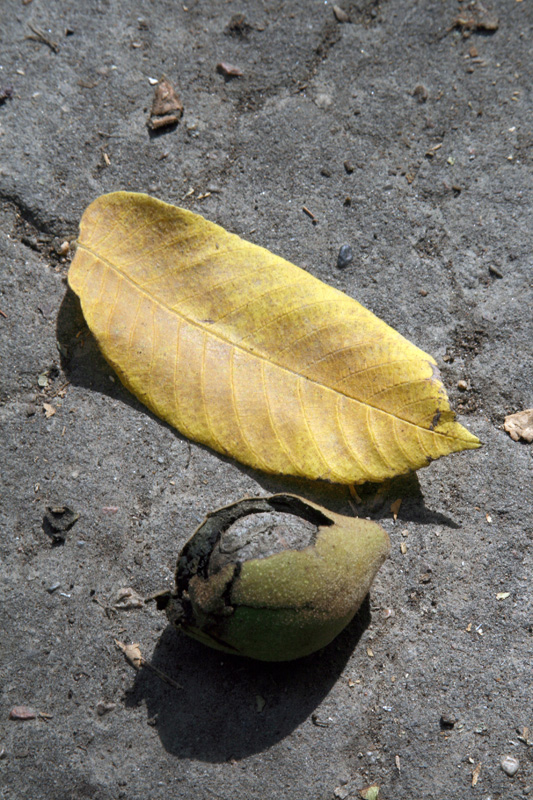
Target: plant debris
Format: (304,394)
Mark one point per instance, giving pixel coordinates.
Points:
(476,17)
(250,558)
(127,598)
(160,261)
(167,108)
(40,36)
(475,773)
(229,71)
(49,410)
(395,508)
(132,653)
(520,425)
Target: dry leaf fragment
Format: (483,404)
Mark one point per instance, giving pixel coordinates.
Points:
(475,774)
(476,17)
(503,595)
(167,107)
(229,71)
(520,425)
(132,652)
(395,508)
(133,655)
(128,598)
(49,410)
(252,356)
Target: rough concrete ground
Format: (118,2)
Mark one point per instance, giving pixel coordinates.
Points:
(437,209)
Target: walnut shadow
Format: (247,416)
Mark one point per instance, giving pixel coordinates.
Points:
(232,707)
(84,365)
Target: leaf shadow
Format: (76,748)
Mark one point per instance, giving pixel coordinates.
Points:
(84,365)
(232,707)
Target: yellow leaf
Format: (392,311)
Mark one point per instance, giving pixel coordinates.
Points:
(247,353)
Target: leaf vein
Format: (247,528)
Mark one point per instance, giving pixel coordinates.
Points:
(271,419)
(236,412)
(310,432)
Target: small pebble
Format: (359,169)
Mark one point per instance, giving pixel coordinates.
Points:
(423,292)
(53,588)
(341,792)
(340,14)
(25,712)
(349,167)
(344,778)
(63,248)
(462,386)
(345,256)
(104,708)
(325,172)
(510,765)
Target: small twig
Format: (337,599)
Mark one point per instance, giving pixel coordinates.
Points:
(136,659)
(40,36)
(3,313)
(310,215)
(60,389)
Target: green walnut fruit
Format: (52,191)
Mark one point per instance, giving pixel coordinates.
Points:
(274,578)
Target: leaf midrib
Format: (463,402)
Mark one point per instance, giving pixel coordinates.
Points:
(254,354)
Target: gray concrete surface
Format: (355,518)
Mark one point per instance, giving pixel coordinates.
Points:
(438,205)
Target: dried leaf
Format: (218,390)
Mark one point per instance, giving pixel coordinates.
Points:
(252,356)
(49,410)
(395,508)
(520,425)
(132,653)
(475,774)
(167,107)
(127,598)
